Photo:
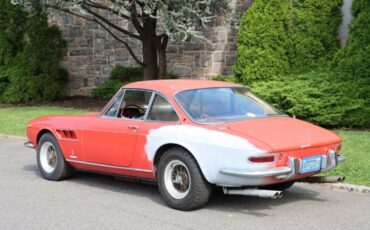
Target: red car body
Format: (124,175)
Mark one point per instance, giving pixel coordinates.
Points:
(229,154)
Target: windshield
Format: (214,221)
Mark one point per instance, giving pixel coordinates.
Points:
(209,105)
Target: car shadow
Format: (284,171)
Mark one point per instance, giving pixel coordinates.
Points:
(254,206)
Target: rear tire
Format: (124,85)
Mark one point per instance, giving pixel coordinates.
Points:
(50,160)
(280,187)
(181,182)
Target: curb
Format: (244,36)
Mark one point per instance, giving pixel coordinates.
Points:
(350,187)
(5,136)
(344,186)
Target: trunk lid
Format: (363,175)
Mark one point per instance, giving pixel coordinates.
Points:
(284,133)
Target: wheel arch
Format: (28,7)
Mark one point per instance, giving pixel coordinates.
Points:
(162,149)
(42,132)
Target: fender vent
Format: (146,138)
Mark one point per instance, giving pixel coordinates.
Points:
(67,134)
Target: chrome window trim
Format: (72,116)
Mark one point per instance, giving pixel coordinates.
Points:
(110,166)
(150,104)
(219,122)
(109,104)
(124,92)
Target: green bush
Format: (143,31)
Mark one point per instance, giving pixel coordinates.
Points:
(224,78)
(281,37)
(127,74)
(118,77)
(354,58)
(30,60)
(106,90)
(329,99)
(317,98)
(289,56)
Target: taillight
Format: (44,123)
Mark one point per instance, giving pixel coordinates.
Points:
(262,159)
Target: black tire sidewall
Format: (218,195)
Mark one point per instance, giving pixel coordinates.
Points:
(196,179)
(58,172)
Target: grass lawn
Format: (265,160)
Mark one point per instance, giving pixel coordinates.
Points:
(356,148)
(13,120)
(356,145)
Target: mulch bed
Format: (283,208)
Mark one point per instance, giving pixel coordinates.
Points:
(78,102)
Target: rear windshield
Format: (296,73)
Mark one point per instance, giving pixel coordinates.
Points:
(209,105)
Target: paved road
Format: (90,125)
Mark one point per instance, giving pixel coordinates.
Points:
(91,201)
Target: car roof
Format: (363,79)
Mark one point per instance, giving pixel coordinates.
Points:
(173,86)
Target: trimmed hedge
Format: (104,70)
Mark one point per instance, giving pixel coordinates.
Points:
(277,38)
(354,58)
(303,72)
(326,98)
(317,98)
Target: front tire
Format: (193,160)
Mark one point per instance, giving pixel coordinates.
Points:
(181,181)
(50,160)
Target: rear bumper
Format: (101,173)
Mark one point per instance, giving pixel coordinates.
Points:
(255,174)
(28,144)
(328,162)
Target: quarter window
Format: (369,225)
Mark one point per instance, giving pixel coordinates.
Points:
(113,110)
(162,110)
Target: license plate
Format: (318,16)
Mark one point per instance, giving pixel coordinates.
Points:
(311,164)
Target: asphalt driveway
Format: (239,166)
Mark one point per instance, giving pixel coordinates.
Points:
(91,201)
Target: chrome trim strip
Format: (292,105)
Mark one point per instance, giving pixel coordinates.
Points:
(273,172)
(150,104)
(28,144)
(109,166)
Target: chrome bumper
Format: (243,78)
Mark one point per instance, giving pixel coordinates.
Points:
(272,172)
(285,172)
(28,144)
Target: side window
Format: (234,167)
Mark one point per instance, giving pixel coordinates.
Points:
(161,110)
(134,104)
(113,110)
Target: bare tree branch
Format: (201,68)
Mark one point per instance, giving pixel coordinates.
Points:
(120,40)
(105,28)
(135,19)
(106,21)
(70,12)
(102,7)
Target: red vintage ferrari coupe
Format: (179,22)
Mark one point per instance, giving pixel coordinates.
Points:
(189,136)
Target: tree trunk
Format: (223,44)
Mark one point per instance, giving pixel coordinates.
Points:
(150,59)
(162,59)
(162,63)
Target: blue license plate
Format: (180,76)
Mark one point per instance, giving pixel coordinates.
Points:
(311,164)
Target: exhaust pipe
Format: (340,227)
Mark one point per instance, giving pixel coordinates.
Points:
(255,192)
(323,179)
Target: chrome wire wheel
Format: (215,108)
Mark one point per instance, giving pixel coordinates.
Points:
(48,157)
(177,179)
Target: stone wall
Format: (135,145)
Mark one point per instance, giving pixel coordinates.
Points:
(93,53)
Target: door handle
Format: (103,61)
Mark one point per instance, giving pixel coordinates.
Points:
(133,127)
